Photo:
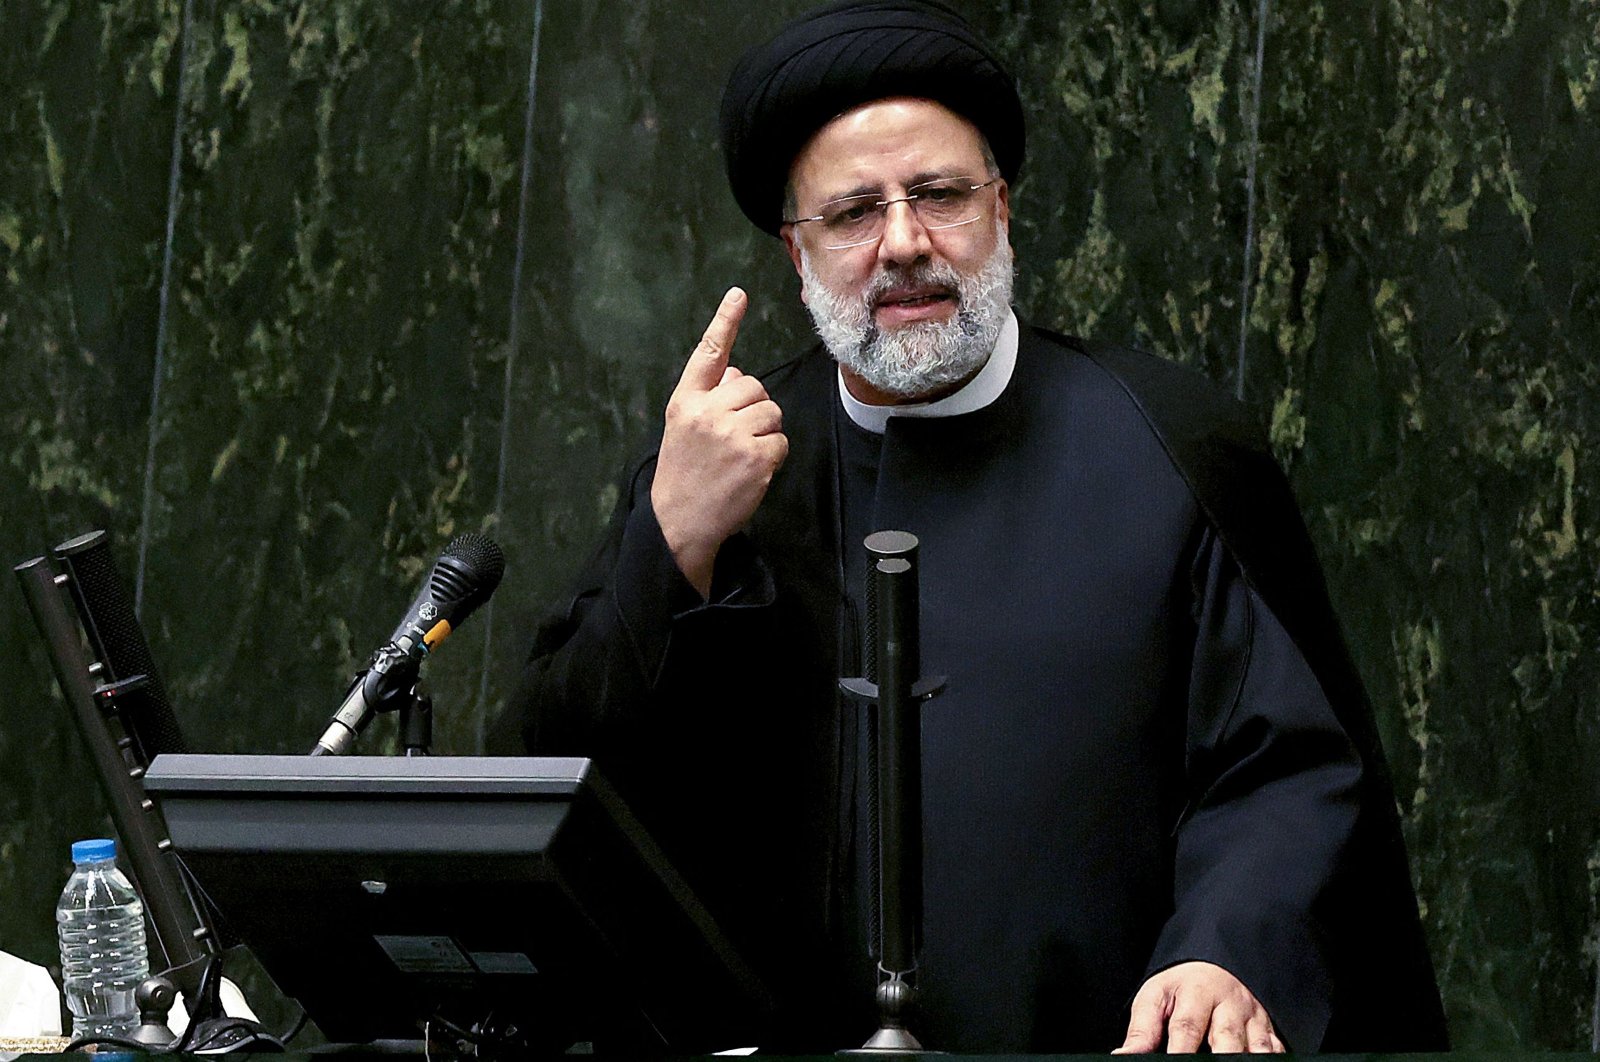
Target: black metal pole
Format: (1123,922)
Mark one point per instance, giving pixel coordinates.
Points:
(416,721)
(896,696)
(899,754)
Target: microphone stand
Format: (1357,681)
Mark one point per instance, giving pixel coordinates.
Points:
(416,721)
(375,689)
(414,707)
(897,696)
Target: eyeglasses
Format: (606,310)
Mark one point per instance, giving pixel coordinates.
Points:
(859,219)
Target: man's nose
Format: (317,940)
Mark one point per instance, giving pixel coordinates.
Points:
(905,239)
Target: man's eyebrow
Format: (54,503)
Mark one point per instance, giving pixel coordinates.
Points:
(930,175)
(877,189)
(860,189)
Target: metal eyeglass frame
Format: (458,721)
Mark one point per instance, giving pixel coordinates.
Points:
(881,209)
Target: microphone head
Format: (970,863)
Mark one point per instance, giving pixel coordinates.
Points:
(464,576)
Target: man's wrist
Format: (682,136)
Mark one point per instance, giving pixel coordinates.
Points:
(697,566)
(695,556)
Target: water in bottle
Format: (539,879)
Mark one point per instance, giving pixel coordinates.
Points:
(100,924)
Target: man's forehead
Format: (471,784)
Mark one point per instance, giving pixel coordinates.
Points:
(899,139)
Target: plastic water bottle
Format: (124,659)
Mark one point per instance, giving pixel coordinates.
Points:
(100,924)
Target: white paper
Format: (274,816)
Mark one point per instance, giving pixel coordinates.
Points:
(30,1003)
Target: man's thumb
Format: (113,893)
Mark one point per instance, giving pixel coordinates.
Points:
(1147,1022)
(1141,1039)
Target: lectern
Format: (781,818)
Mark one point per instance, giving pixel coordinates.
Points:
(514,896)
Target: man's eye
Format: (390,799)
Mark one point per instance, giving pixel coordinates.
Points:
(942,195)
(850,214)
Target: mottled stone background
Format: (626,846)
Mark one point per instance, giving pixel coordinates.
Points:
(286,361)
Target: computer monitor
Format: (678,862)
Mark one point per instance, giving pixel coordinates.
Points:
(383,892)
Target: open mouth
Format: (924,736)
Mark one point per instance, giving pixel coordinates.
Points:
(911,299)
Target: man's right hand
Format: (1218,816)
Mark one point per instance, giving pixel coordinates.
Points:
(723,442)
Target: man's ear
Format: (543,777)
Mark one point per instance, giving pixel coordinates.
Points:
(1002,195)
(793,247)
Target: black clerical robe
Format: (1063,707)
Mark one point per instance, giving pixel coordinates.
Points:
(1153,748)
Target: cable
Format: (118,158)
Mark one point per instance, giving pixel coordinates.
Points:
(466,1034)
(219,1037)
(181,1044)
(109,1041)
(204,997)
(214,1034)
(489,1039)
(215,1039)
(294,1030)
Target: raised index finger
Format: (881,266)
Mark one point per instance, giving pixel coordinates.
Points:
(704,368)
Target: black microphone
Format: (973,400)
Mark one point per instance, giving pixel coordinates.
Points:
(462,579)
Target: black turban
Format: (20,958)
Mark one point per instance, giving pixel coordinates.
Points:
(844,55)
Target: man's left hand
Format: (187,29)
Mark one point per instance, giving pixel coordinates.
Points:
(1194,1003)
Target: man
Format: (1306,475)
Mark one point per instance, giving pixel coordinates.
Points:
(1155,810)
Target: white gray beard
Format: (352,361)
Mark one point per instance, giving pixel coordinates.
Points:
(916,359)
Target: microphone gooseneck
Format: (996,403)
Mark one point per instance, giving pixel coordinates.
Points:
(462,579)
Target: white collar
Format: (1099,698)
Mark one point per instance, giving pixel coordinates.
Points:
(976,393)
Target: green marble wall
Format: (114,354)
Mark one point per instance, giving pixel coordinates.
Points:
(372,339)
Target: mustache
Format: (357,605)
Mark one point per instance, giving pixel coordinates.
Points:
(928,274)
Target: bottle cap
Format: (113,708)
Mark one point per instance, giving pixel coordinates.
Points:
(96,851)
